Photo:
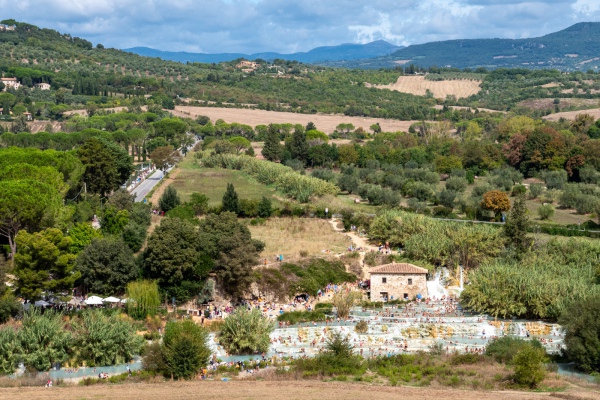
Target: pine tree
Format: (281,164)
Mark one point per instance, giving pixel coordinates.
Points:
(272,150)
(515,228)
(230,200)
(311,127)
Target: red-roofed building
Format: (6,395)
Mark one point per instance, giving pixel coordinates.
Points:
(398,281)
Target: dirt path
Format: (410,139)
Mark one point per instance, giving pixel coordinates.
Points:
(358,242)
(163,186)
(272,390)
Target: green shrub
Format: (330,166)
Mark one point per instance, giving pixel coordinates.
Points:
(535,189)
(505,348)
(169,199)
(246,332)
(529,366)
(153,359)
(185,349)
(456,184)
(518,190)
(546,211)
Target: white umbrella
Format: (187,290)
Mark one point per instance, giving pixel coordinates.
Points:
(41,303)
(111,299)
(93,300)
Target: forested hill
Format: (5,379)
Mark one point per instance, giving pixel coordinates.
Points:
(348,51)
(574,48)
(78,73)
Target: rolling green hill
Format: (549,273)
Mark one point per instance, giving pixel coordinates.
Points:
(574,48)
(35,55)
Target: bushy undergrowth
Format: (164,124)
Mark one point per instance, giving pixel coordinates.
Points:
(307,277)
(420,369)
(541,285)
(94,338)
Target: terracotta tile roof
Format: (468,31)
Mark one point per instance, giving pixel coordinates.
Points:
(398,268)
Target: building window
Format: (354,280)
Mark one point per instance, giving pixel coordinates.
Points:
(410,281)
(384,280)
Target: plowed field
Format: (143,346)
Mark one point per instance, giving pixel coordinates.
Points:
(418,85)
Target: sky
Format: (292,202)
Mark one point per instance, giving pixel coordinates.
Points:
(287,26)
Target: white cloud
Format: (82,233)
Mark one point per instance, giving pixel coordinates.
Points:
(587,7)
(286,26)
(381,30)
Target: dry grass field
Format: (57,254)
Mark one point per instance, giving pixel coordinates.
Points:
(594,112)
(324,122)
(274,390)
(418,85)
(290,236)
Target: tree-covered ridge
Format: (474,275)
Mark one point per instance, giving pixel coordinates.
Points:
(574,48)
(35,55)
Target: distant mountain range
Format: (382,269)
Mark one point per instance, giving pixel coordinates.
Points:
(574,48)
(347,51)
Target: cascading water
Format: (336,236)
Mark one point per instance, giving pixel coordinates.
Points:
(394,329)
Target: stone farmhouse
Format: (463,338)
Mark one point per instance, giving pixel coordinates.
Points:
(43,86)
(10,82)
(398,281)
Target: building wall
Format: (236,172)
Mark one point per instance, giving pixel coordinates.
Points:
(397,285)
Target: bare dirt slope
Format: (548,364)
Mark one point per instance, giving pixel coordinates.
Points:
(594,112)
(278,390)
(324,122)
(418,85)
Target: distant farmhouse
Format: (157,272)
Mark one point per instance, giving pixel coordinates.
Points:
(6,28)
(247,66)
(398,281)
(10,82)
(43,86)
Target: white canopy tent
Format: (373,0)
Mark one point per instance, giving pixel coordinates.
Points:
(111,299)
(93,301)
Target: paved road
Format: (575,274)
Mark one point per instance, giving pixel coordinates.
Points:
(145,187)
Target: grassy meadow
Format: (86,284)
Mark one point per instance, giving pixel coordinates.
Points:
(213,183)
(297,237)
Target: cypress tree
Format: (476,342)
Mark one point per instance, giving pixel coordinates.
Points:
(230,200)
(298,146)
(515,228)
(265,208)
(272,150)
